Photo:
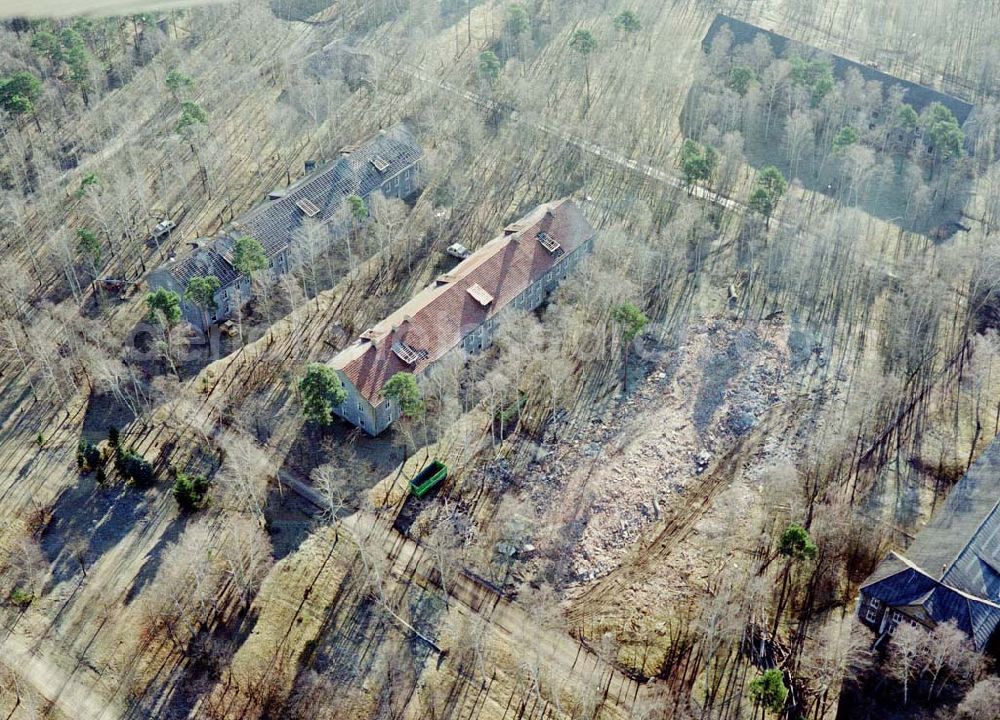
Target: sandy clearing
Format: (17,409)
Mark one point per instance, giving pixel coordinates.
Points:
(69,689)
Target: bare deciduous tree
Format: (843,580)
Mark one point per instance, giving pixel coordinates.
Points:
(246,553)
(243,476)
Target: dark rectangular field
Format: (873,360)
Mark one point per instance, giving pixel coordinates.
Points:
(916,95)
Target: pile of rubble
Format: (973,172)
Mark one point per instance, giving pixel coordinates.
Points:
(642,455)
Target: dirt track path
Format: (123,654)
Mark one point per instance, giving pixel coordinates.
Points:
(69,690)
(561,655)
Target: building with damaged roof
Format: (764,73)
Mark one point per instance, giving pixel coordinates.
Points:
(462,308)
(387,163)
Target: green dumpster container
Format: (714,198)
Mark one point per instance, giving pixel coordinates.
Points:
(427,478)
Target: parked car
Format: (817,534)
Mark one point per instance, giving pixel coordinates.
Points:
(110,284)
(163,229)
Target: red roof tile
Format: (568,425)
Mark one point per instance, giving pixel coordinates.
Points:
(437,319)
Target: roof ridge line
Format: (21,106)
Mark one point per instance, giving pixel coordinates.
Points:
(986,518)
(912,566)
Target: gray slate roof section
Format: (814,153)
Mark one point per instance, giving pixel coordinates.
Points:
(907,588)
(354,173)
(204,261)
(952,569)
(919,96)
(964,534)
(274,222)
(891,565)
(975,570)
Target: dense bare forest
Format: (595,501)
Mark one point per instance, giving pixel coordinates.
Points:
(665,484)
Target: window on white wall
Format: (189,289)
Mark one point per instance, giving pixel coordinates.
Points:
(871,611)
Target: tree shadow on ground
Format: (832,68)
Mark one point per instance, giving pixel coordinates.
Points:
(363,460)
(360,461)
(189,354)
(201,462)
(652,358)
(88,520)
(721,367)
(208,656)
(344,652)
(290,520)
(356,631)
(103,411)
(154,558)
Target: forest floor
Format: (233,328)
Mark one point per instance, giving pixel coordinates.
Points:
(63,8)
(561,655)
(57,682)
(677,471)
(304,598)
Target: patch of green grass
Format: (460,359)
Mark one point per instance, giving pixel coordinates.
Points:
(21,598)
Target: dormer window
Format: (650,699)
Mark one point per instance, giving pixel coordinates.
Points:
(308,207)
(549,243)
(405,353)
(480,295)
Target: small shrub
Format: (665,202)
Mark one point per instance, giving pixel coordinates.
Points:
(769,690)
(114,437)
(134,468)
(88,456)
(40,439)
(191,491)
(102,476)
(21,598)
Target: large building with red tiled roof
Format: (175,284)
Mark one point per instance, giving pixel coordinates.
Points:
(461,308)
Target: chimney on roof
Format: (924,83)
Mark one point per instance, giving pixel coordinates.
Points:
(310,166)
(515,227)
